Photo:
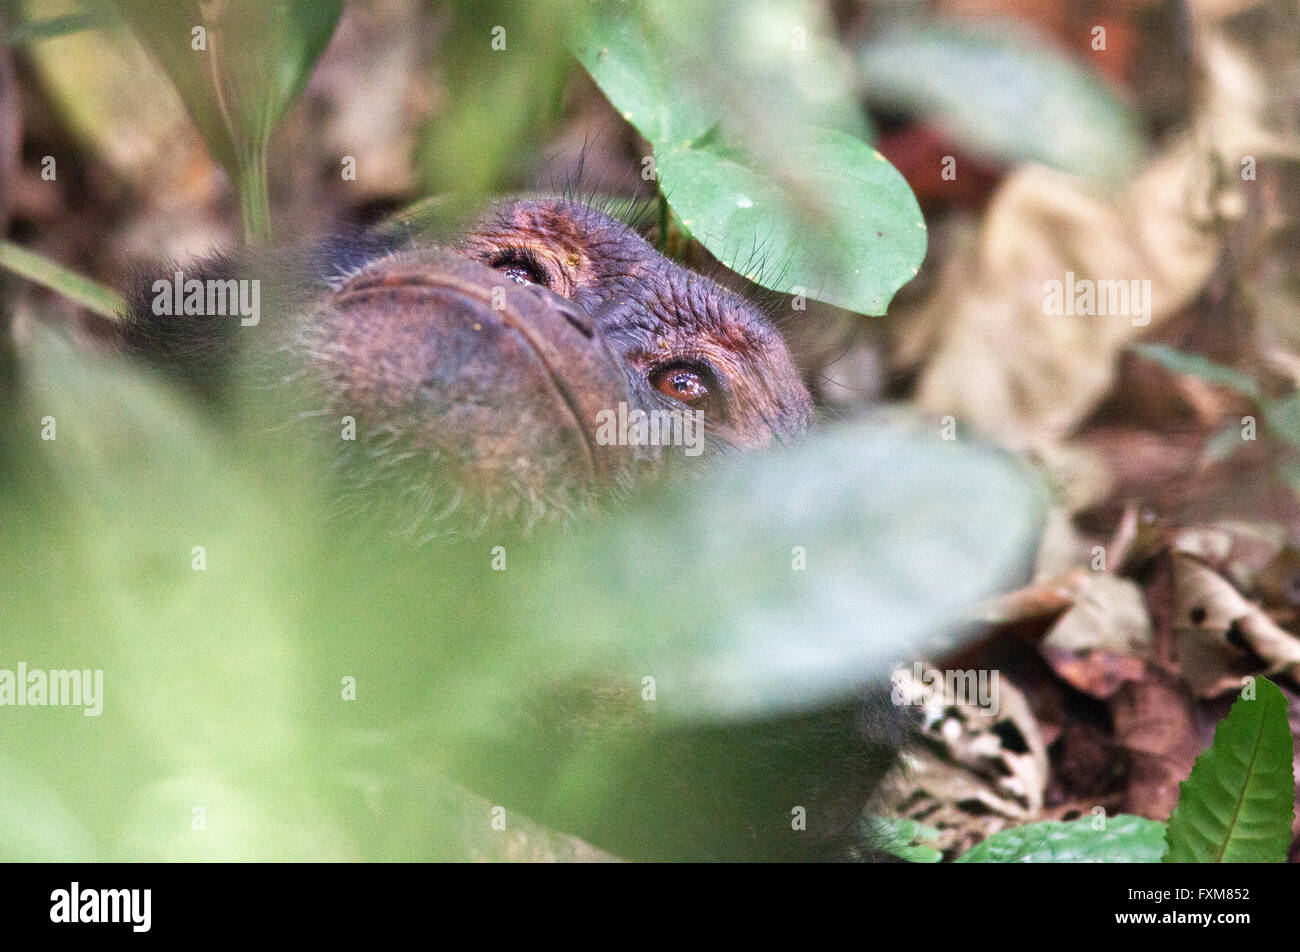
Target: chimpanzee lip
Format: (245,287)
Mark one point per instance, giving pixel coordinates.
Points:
(363,284)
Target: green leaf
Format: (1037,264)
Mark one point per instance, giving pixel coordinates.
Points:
(34,31)
(502,64)
(256,56)
(222,686)
(1125,839)
(700,584)
(81,290)
(1195,365)
(781,189)
(1282,414)
(1238,803)
(740,211)
(1223,443)
(902,838)
(1283,417)
(1003,93)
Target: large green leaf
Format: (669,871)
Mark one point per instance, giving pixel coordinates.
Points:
(1238,803)
(781,187)
(699,587)
(742,213)
(1124,839)
(1003,93)
(222,686)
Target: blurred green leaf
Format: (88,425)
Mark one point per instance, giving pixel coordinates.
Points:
(222,686)
(772,185)
(1283,417)
(164,29)
(1195,365)
(1238,803)
(502,64)
(35,826)
(1125,839)
(1282,414)
(81,290)
(698,585)
(96,552)
(1003,93)
(34,31)
(238,68)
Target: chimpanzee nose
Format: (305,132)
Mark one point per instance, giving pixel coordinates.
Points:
(570,312)
(485,366)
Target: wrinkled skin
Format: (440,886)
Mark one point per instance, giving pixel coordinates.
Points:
(480,365)
(487,359)
(658,317)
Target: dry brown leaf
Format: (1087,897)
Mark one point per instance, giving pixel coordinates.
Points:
(1155,720)
(1005,365)
(1220,636)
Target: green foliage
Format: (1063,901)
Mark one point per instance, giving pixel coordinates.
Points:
(81,290)
(222,686)
(1004,94)
(503,64)
(700,585)
(257,56)
(1281,414)
(1124,839)
(905,839)
(36,30)
(1195,365)
(787,184)
(1238,803)
(1236,806)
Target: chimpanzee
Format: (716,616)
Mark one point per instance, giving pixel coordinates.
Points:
(481,362)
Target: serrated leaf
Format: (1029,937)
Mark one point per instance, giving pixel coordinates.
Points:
(1238,803)
(1005,94)
(1125,839)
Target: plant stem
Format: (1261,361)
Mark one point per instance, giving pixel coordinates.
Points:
(254,196)
(89,294)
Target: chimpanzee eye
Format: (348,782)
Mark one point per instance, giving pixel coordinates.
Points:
(522,267)
(690,385)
